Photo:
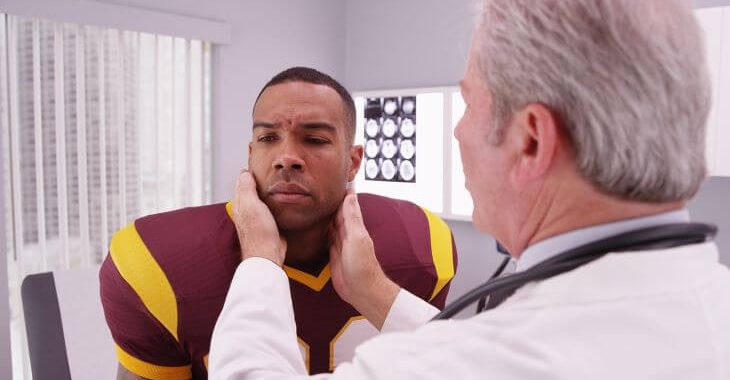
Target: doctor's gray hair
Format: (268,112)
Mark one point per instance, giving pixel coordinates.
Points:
(627,79)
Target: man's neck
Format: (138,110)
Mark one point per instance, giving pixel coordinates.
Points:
(307,250)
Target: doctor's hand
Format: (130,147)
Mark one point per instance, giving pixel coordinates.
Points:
(257,230)
(356,274)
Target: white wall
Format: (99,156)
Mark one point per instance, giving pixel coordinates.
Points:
(712,205)
(716,24)
(407,43)
(709,3)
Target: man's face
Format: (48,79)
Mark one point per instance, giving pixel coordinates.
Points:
(485,165)
(300,153)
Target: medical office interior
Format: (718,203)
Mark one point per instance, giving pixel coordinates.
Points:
(113,109)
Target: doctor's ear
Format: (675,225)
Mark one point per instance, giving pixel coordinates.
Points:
(537,137)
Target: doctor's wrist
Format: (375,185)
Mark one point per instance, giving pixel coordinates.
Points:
(374,301)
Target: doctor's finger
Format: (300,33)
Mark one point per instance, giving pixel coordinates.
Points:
(337,226)
(245,184)
(352,214)
(246,194)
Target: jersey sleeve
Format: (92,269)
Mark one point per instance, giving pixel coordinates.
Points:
(134,302)
(443,257)
(414,246)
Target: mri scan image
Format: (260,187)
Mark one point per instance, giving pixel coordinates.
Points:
(371,169)
(406,170)
(389,127)
(390,139)
(372,128)
(388,169)
(389,149)
(407,149)
(407,128)
(371,148)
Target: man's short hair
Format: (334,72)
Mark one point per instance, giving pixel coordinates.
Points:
(626,78)
(310,75)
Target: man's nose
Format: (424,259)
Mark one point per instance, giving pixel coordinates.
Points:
(289,158)
(458,129)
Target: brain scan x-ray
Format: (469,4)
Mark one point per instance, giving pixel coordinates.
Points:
(390,139)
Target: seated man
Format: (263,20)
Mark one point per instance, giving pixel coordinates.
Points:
(165,279)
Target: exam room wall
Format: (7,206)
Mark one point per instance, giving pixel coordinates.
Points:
(406,43)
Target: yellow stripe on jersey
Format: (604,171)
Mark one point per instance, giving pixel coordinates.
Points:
(441,251)
(304,347)
(152,371)
(229,209)
(137,266)
(337,336)
(304,278)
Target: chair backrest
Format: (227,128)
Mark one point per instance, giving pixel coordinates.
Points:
(67,335)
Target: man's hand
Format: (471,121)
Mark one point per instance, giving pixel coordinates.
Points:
(356,273)
(256,227)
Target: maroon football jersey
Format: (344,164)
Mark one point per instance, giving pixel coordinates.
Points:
(165,279)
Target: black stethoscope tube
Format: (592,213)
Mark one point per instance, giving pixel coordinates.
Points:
(658,237)
(502,266)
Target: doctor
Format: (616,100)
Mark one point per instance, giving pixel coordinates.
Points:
(585,120)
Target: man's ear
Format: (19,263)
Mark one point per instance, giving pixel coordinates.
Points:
(537,140)
(249,153)
(355,160)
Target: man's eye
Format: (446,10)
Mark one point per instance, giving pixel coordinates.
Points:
(266,138)
(316,140)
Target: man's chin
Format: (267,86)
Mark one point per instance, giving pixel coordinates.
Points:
(301,216)
(292,219)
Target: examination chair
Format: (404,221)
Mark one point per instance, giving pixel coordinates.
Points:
(67,335)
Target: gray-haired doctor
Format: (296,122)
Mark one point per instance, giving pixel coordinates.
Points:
(584,122)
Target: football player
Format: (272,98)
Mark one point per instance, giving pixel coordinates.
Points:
(165,279)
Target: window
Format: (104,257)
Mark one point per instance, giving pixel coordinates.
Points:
(100,127)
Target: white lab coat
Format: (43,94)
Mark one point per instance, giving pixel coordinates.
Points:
(662,314)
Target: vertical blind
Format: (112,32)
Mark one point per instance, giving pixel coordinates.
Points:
(100,127)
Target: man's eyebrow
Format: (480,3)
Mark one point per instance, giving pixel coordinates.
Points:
(319,125)
(262,124)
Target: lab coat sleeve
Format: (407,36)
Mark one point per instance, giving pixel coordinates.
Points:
(255,336)
(407,313)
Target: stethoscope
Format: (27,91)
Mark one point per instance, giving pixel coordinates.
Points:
(658,237)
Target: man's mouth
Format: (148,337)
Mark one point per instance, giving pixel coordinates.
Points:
(288,192)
